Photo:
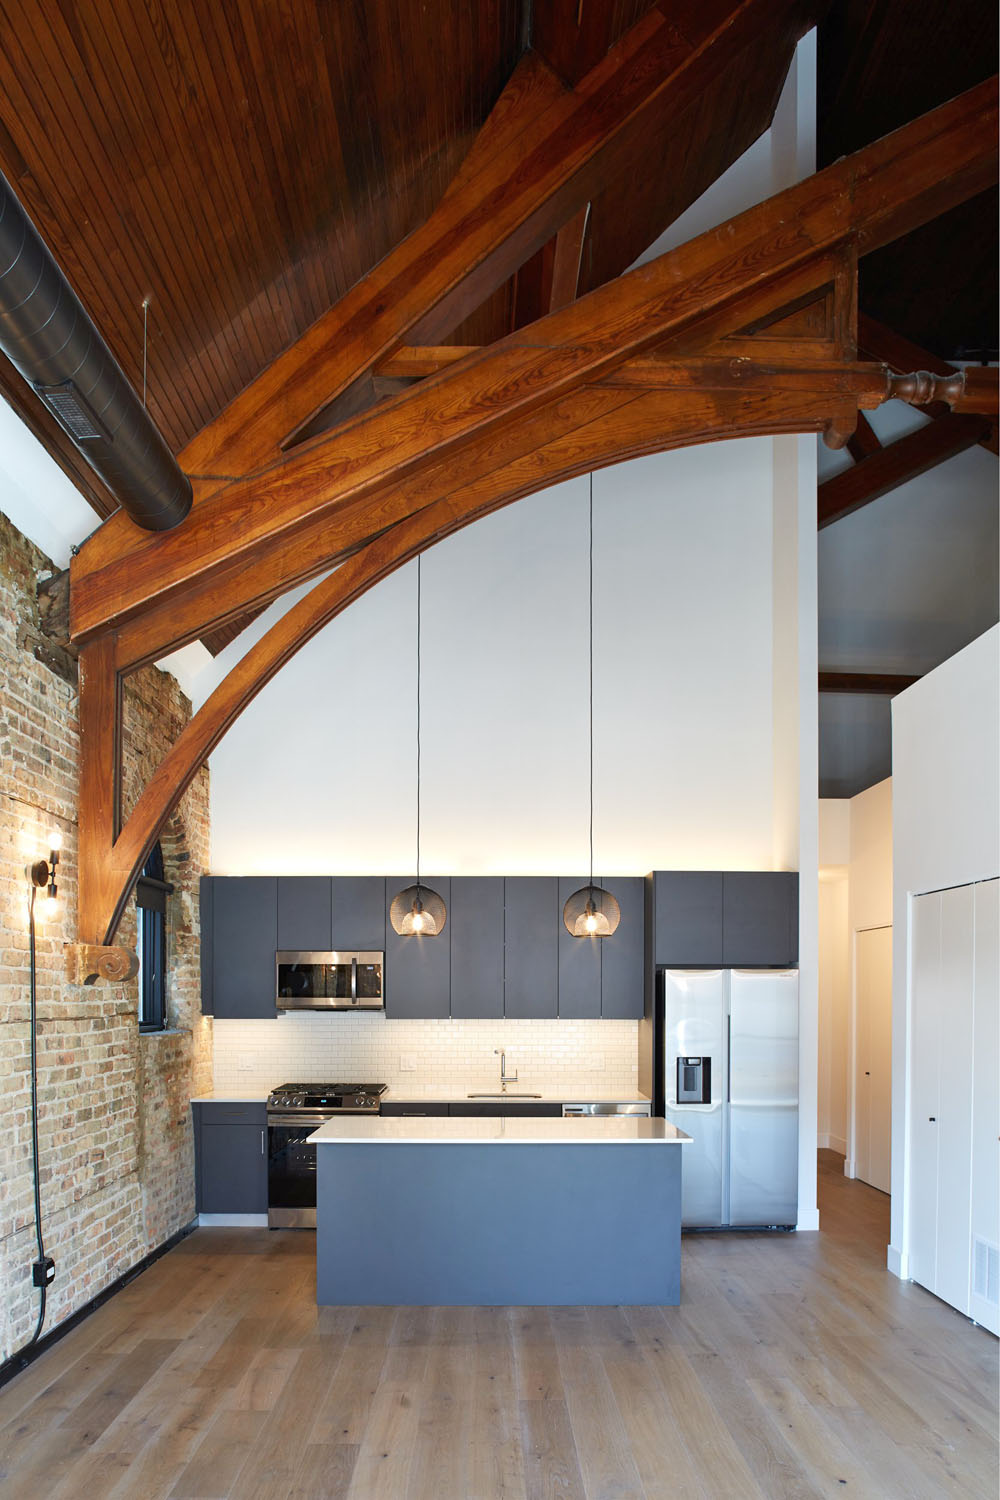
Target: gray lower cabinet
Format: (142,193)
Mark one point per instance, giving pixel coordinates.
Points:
(623,954)
(417,969)
(358,912)
(304,913)
(415,1110)
(531,947)
(230,1158)
(244,941)
(760,918)
(512,1109)
(579,962)
(476,923)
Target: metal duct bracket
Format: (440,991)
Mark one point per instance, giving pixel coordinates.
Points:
(54,345)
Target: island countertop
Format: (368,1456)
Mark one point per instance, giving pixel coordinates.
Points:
(607,1130)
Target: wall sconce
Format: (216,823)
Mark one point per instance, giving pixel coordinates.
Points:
(42,875)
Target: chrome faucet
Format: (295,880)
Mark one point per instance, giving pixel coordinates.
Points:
(505,1077)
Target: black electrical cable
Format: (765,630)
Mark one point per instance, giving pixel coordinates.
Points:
(34,1111)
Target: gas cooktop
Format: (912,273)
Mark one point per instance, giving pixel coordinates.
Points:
(326,1096)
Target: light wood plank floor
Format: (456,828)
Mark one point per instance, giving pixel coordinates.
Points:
(796,1366)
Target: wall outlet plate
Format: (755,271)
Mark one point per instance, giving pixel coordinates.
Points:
(245,1063)
(407,1063)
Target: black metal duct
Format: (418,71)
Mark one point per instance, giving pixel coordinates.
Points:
(50,340)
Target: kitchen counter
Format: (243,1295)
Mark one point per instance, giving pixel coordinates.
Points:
(428,1212)
(548,1092)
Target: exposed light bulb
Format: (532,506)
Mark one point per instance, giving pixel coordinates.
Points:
(55,840)
(419,920)
(50,908)
(590,921)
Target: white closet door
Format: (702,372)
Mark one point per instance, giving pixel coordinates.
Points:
(925,986)
(873,1051)
(985,1249)
(955,1102)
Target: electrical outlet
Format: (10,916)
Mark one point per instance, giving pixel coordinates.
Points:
(43,1271)
(407,1063)
(245,1063)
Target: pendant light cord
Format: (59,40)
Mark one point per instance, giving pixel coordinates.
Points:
(418,724)
(591,684)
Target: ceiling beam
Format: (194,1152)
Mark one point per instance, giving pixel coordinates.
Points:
(895,464)
(541,156)
(455,416)
(885,684)
(900,354)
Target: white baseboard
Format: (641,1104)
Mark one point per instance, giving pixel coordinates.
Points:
(897,1263)
(832,1143)
(850,1166)
(232,1221)
(808,1220)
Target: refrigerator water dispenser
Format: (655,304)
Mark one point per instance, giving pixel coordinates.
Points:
(694,1080)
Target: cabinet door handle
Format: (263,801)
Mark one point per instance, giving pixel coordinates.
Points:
(262,1143)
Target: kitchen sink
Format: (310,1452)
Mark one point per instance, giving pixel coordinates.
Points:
(501,1097)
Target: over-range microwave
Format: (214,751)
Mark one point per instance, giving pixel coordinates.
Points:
(330,981)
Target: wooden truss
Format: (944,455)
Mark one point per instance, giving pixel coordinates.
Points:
(749,329)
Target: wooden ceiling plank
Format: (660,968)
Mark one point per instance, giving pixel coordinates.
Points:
(573,35)
(929,163)
(567,258)
(895,464)
(885,684)
(478,236)
(863,441)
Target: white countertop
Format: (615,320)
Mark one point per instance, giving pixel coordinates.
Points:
(445,1093)
(445,1130)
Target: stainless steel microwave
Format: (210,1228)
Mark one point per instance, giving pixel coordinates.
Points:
(330,981)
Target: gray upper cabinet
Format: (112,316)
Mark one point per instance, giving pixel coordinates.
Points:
(206,907)
(359,912)
(623,953)
(531,946)
(417,969)
(245,937)
(476,924)
(687,916)
(760,918)
(304,913)
(579,963)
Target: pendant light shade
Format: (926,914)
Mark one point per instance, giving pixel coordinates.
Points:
(591,912)
(418,911)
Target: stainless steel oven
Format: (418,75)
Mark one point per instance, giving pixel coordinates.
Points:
(294,1111)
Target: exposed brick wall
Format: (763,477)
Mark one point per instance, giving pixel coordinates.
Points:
(117,1175)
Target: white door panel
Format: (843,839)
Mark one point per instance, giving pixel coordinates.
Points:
(873,1051)
(925,981)
(985,1093)
(955,1095)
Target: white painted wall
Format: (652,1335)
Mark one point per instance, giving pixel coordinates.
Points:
(834,1012)
(946,832)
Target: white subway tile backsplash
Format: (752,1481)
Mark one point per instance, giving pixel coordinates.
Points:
(255,1056)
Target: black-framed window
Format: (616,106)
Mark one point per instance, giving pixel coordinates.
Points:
(151,894)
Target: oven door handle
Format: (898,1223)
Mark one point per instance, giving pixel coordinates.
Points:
(302,1120)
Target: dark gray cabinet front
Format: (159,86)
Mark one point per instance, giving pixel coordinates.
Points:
(245,937)
(476,923)
(623,953)
(531,947)
(412,1110)
(231,1159)
(687,915)
(304,913)
(760,918)
(579,963)
(417,968)
(512,1109)
(359,912)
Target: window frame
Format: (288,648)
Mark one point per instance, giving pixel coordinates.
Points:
(151,894)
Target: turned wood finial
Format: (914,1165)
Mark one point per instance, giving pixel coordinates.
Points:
(88,962)
(921,387)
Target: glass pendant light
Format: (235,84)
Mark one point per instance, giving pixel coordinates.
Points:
(591,911)
(417,911)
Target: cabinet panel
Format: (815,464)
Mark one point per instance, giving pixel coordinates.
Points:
(304,913)
(623,953)
(760,913)
(475,919)
(417,969)
(245,940)
(687,913)
(579,963)
(416,1109)
(513,1109)
(531,946)
(359,912)
(206,906)
(233,1169)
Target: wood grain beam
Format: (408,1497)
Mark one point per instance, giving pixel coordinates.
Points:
(863,442)
(885,684)
(541,156)
(895,464)
(881,192)
(901,354)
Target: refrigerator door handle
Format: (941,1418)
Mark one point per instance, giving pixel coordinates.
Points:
(729,1056)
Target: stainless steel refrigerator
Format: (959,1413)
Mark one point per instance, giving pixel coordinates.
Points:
(730,1040)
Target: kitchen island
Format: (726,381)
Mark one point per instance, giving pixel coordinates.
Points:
(458,1212)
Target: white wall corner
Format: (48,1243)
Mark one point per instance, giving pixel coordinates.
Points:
(808,1220)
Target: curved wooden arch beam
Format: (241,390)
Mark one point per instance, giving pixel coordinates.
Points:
(654,421)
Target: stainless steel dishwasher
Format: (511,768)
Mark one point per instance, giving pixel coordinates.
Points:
(606,1107)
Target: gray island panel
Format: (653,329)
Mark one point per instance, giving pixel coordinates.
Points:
(436,1224)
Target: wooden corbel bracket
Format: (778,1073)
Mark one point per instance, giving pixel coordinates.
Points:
(86,963)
